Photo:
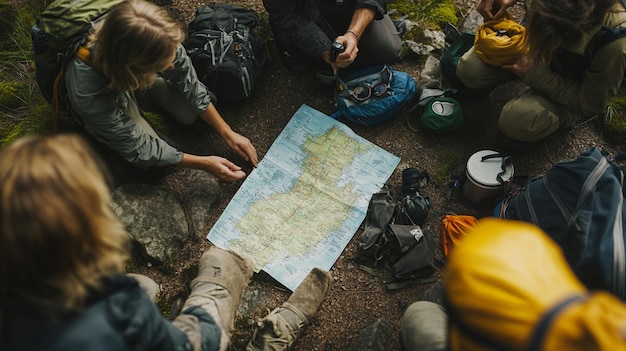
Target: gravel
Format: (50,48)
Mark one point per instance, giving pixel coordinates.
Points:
(356,299)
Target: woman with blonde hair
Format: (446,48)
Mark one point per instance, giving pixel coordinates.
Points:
(137,47)
(62,257)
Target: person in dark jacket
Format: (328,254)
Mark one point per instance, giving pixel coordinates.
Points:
(62,258)
(304,31)
(63,253)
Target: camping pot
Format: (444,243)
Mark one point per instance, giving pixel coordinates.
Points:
(488,177)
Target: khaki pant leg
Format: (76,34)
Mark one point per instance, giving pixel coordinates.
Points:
(190,326)
(148,285)
(169,99)
(132,110)
(532,116)
(379,44)
(475,74)
(424,327)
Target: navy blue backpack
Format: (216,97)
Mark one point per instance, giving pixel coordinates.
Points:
(373,95)
(580,204)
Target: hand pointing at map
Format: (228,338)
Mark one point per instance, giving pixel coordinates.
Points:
(220,167)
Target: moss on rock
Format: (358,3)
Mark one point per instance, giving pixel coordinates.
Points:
(432,14)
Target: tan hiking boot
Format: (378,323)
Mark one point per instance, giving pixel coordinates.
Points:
(148,285)
(279,330)
(222,278)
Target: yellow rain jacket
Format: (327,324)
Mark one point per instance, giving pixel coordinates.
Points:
(506,278)
(500,42)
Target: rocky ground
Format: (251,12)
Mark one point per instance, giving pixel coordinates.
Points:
(356,299)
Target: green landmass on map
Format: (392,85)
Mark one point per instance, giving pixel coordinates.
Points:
(314,207)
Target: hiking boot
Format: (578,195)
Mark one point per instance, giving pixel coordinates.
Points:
(222,278)
(279,330)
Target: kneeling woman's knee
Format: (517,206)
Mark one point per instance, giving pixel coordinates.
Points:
(522,121)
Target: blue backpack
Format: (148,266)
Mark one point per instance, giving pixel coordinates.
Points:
(373,95)
(580,204)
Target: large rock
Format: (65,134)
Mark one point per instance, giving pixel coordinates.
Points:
(375,337)
(202,192)
(153,217)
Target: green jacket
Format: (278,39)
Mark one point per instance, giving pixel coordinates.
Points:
(103,112)
(601,80)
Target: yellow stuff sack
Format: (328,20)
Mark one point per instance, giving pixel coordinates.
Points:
(500,42)
(508,287)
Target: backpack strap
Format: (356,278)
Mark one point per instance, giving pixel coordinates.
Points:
(541,330)
(84,55)
(404,283)
(603,37)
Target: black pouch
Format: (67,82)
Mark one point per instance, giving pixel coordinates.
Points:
(379,214)
(414,207)
(411,251)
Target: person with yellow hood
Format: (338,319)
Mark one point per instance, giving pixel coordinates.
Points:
(507,286)
(567,81)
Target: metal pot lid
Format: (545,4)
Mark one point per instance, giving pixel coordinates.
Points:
(486,172)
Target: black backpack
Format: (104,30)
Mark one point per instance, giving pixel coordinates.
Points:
(59,31)
(580,204)
(227,55)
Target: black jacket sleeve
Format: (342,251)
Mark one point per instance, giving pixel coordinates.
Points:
(299,19)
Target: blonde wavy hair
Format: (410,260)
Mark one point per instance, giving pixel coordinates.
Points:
(58,235)
(136,40)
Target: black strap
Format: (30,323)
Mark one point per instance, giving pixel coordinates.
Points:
(506,161)
(371,271)
(546,321)
(405,283)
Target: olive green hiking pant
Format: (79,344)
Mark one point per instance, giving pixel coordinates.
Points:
(529,117)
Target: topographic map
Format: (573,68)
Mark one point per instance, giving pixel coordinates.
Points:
(306,199)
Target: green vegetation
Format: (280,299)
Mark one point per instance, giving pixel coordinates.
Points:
(431,14)
(427,14)
(615,122)
(448,161)
(22,110)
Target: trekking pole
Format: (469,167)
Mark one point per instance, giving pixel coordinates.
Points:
(335,50)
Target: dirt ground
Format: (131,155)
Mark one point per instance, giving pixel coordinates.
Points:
(356,299)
